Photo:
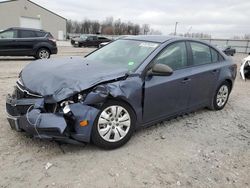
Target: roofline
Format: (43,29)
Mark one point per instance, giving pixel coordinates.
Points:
(9,1)
(25,28)
(46,9)
(137,37)
(143,40)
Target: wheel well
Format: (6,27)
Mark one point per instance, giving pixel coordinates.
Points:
(122,100)
(230,83)
(43,48)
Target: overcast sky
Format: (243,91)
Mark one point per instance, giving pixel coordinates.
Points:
(220,18)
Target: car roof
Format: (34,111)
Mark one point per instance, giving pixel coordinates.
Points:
(163,39)
(152,38)
(22,28)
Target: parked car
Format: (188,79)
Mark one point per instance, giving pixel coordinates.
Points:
(228,50)
(103,44)
(75,40)
(113,39)
(245,68)
(130,83)
(88,40)
(27,42)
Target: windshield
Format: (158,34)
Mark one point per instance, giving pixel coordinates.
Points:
(126,54)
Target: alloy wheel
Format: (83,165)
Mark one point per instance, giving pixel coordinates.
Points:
(222,95)
(114,123)
(43,54)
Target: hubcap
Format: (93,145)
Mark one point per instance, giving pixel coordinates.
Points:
(44,54)
(222,95)
(114,123)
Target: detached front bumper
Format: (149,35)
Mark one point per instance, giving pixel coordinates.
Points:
(29,115)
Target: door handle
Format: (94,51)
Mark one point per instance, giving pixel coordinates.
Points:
(185,80)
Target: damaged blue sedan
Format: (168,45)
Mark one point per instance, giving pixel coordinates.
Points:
(133,82)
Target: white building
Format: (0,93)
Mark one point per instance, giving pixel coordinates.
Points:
(25,13)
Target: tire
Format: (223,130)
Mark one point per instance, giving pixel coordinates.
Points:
(108,131)
(221,96)
(42,53)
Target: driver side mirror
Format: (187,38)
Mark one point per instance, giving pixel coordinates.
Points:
(160,70)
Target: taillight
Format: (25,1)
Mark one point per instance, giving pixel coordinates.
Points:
(53,40)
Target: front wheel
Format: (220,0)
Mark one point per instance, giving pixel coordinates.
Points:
(221,96)
(114,125)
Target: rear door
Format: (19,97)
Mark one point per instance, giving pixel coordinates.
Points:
(205,71)
(26,41)
(8,45)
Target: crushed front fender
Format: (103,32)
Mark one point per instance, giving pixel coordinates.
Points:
(81,113)
(29,115)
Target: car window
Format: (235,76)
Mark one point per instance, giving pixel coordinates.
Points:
(215,56)
(8,34)
(83,37)
(102,38)
(201,53)
(90,38)
(175,56)
(27,34)
(40,34)
(128,54)
(49,35)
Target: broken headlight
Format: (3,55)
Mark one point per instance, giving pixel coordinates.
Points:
(80,97)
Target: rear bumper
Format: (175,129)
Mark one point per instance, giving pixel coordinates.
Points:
(54,50)
(28,115)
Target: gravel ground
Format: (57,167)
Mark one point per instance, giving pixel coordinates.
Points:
(202,149)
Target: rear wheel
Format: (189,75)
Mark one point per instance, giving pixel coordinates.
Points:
(114,125)
(43,53)
(221,96)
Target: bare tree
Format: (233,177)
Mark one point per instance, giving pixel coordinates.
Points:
(136,30)
(109,27)
(108,30)
(69,26)
(155,32)
(145,29)
(117,27)
(96,26)
(247,36)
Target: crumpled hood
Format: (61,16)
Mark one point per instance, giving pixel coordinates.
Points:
(58,79)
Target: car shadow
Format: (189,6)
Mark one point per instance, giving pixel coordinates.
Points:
(17,59)
(66,148)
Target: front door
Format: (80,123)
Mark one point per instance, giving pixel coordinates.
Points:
(168,95)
